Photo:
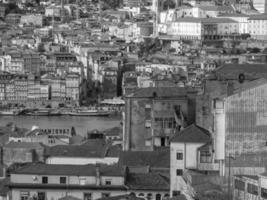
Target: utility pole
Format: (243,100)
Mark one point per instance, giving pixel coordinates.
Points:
(229,176)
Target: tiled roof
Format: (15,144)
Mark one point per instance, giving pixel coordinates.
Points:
(154,159)
(76,139)
(71,170)
(180,197)
(192,134)
(258,159)
(205,20)
(216,8)
(147,181)
(69,198)
(258,17)
(159,92)
(24,145)
(18,132)
(242,68)
(233,15)
(114,151)
(207,187)
(248,176)
(115,131)
(122,197)
(250,84)
(94,150)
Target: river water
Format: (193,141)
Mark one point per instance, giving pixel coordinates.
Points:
(81,124)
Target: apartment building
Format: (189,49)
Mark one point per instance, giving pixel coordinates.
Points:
(88,182)
(202,28)
(257,27)
(152,115)
(250,186)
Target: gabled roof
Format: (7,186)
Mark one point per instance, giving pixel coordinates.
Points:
(122,197)
(71,170)
(69,198)
(115,131)
(94,150)
(147,181)
(258,17)
(242,68)
(114,151)
(154,159)
(179,197)
(256,159)
(250,85)
(192,134)
(24,145)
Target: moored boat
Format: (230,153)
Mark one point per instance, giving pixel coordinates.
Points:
(39,113)
(90,113)
(9,112)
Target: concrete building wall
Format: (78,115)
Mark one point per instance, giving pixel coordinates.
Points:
(257,28)
(189,161)
(53,194)
(138,135)
(72,180)
(246,121)
(81,161)
(176,182)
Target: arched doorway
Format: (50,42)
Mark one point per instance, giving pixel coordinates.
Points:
(158,196)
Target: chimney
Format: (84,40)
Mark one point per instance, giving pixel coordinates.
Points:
(97,173)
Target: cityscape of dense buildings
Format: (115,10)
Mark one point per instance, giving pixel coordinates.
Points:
(187,80)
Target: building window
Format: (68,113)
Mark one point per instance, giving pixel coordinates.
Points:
(141,195)
(87,196)
(105,195)
(82,181)
(176,193)
(63,180)
(205,157)
(149,196)
(24,195)
(179,172)
(148,124)
(179,156)
(166,195)
(264,192)
(148,142)
(158,196)
(240,185)
(44,179)
(252,189)
(108,182)
(41,195)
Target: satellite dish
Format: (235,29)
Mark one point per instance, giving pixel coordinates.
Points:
(241,78)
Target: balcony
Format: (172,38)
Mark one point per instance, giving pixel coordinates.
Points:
(208,166)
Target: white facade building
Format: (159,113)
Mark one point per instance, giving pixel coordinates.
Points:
(260,5)
(257,27)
